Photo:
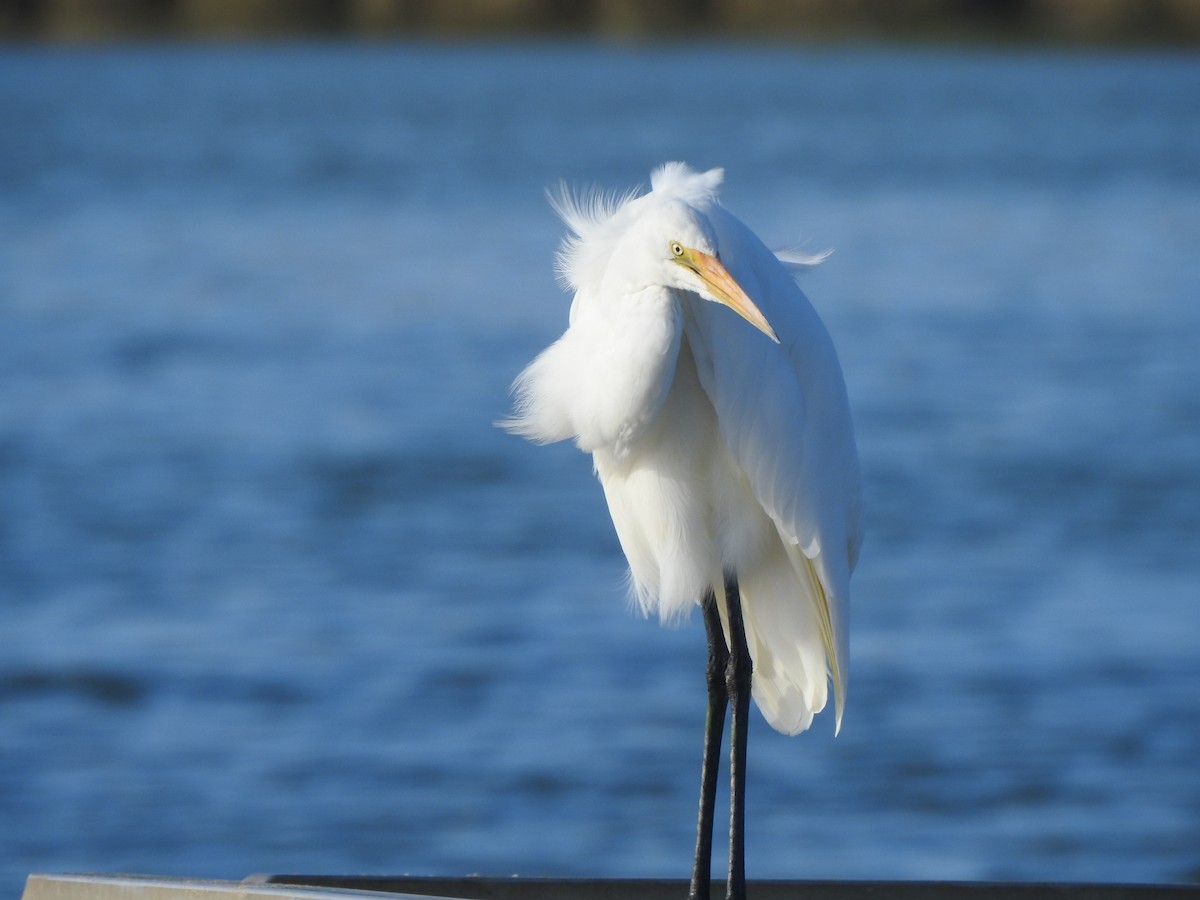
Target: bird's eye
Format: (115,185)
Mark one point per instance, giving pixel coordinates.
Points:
(676,248)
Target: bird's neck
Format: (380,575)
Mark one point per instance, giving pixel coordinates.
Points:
(634,351)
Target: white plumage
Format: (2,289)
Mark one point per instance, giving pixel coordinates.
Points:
(718,448)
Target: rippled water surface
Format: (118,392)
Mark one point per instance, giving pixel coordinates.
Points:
(276,596)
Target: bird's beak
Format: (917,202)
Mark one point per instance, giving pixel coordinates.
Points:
(722,286)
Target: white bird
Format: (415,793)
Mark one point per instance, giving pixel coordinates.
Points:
(724,446)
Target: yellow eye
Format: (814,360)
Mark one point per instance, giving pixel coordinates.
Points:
(676,249)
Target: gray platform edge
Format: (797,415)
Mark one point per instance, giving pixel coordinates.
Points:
(148,887)
(320,887)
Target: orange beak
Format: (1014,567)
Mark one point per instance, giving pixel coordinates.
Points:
(722,286)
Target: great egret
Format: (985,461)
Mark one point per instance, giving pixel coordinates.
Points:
(725,449)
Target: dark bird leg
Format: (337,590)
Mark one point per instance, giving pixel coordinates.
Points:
(737,680)
(714,726)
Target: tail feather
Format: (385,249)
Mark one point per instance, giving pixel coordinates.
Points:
(790,639)
(806,569)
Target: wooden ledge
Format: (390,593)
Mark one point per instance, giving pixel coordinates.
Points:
(325,887)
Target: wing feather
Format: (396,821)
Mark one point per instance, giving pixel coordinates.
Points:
(783,413)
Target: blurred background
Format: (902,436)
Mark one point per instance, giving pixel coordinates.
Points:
(276,596)
(1171,22)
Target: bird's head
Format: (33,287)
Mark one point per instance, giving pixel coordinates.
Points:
(676,241)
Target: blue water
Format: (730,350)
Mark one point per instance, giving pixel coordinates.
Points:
(276,596)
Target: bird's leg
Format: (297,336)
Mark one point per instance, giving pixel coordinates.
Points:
(714,727)
(737,680)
